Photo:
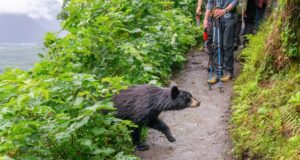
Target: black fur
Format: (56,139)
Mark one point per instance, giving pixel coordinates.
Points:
(143,103)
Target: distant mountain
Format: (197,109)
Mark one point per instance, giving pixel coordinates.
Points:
(23,29)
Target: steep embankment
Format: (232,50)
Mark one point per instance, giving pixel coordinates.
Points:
(266,105)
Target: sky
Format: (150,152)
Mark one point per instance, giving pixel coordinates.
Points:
(27,21)
(37,9)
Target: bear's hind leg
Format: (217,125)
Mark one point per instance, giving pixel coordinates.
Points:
(161,126)
(136,139)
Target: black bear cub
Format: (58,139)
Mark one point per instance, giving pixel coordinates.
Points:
(143,103)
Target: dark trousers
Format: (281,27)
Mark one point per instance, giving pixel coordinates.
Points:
(250,17)
(209,42)
(260,14)
(226,37)
(237,29)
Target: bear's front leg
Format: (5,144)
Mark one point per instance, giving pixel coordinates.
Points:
(136,138)
(161,126)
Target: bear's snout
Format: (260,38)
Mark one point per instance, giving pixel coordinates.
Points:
(195,102)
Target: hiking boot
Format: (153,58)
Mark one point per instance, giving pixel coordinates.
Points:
(213,80)
(226,77)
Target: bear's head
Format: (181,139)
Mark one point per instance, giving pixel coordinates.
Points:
(181,99)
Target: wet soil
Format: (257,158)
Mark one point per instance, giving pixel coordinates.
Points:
(201,133)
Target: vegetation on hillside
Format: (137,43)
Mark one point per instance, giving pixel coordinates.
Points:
(54,110)
(266,105)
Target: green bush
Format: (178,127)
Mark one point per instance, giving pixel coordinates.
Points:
(54,111)
(60,117)
(141,40)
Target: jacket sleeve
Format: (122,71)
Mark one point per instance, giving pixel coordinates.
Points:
(234,2)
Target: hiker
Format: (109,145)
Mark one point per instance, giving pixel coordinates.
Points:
(261,6)
(208,43)
(239,27)
(245,22)
(225,10)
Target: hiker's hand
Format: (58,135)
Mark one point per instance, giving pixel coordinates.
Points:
(219,13)
(205,23)
(198,11)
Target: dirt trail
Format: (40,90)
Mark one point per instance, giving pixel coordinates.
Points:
(201,133)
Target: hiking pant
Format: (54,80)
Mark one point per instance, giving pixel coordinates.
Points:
(260,15)
(209,42)
(237,29)
(226,37)
(250,17)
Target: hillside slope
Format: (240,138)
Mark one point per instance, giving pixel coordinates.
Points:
(266,108)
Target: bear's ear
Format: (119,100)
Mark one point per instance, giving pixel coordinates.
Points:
(174,90)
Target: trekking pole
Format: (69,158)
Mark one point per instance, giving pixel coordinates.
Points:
(210,61)
(243,21)
(197,20)
(218,26)
(210,75)
(243,28)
